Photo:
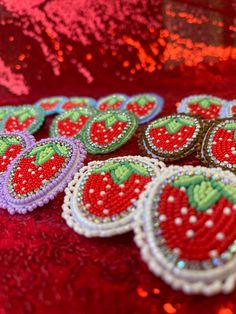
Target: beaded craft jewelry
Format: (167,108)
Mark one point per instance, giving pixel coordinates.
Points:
(50,105)
(108,130)
(185,228)
(71,123)
(171,137)
(144,106)
(101,200)
(113,101)
(23,118)
(4,111)
(76,102)
(40,172)
(206,106)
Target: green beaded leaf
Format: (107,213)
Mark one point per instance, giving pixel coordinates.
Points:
(228,191)
(78,100)
(205,102)
(173,124)
(111,101)
(44,152)
(44,155)
(187,180)
(143,100)
(24,114)
(5,142)
(60,149)
(111,118)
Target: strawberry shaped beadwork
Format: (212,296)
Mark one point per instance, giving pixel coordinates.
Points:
(206,106)
(171,137)
(113,101)
(51,105)
(71,122)
(144,106)
(76,102)
(4,111)
(23,118)
(101,200)
(40,172)
(108,130)
(229,109)
(185,228)
(219,144)
(11,144)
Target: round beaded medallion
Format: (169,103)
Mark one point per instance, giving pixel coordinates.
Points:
(108,130)
(4,111)
(40,172)
(185,227)
(229,109)
(11,144)
(71,122)
(219,144)
(171,137)
(145,106)
(50,105)
(23,118)
(206,106)
(113,101)
(101,200)
(76,102)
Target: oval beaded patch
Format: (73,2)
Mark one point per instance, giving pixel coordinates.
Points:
(23,118)
(101,199)
(206,106)
(50,105)
(145,106)
(113,101)
(229,109)
(40,172)
(11,144)
(185,227)
(171,137)
(76,102)
(219,145)
(108,130)
(71,122)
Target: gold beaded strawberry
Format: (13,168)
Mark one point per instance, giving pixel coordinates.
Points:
(23,118)
(71,122)
(206,106)
(108,130)
(188,219)
(76,102)
(113,101)
(171,137)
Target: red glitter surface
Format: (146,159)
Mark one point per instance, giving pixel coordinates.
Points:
(93,48)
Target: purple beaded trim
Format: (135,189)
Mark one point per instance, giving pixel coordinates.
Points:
(49,191)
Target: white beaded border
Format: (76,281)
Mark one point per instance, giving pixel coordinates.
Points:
(209,282)
(88,228)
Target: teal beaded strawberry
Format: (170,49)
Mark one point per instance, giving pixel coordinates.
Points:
(171,137)
(189,216)
(23,118)
(108,130)
(71,122)
(113,101)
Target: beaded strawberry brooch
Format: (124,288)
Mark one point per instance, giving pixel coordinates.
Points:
(108,130)
(50,105)
(76,102)
(144,106)
(171,137)
(40,172)
(113,101)
(185,228)
(101,200)
(23,118)
(207,106)
(71,123)
(4,111)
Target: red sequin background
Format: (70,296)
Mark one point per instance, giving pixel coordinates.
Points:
(92,48)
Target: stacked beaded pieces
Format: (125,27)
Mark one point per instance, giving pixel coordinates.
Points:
(40,172)
(11,144)
(71,122)
(113,101)
(23,118)
(76,102)
(50,105)
(145,106)
(219,145)
(101,200)
(171,137)
(229,109)
(185,227)
(4,111)
(108,130)
(206,106)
